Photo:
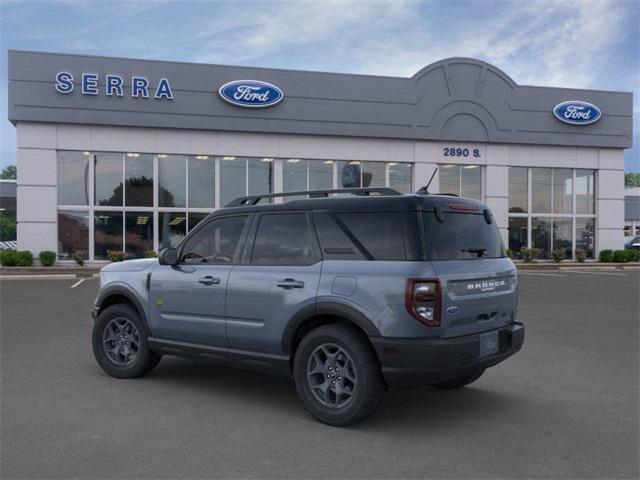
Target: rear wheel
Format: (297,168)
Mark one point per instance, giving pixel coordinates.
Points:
(337,375)
(120,343)
(461,381)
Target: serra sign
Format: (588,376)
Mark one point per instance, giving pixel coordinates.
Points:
(113,85)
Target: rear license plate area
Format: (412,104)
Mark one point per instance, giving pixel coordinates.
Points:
(489,344)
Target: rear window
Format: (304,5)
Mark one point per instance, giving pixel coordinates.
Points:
(380,233)
(462,236)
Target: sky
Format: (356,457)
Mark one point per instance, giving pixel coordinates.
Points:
(566,43)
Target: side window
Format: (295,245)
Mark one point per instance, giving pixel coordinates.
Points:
(284,239)
(215,243)
(380,233)
(335,244)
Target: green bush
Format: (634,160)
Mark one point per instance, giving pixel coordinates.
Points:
(80,256)
(509,253)
(47,258)
(633,255)
(558,255)
(581,254)
(149,254)
(8,258)
(24,258)
(116,255)
(606,256)
(620,256)
(527,254)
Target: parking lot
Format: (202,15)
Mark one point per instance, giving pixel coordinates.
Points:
(566,406)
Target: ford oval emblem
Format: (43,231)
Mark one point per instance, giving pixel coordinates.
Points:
(577,112)
(250,93)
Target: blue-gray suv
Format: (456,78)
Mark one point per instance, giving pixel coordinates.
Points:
(350,292)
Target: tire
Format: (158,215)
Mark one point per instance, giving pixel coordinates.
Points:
(119,326)
(318,360)
(460,382)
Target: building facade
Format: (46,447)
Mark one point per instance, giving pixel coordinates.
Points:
(124,154)
(632,211)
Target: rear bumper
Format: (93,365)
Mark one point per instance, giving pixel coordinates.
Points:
(414,363)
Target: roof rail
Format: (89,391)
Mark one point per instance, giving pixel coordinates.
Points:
(364,192)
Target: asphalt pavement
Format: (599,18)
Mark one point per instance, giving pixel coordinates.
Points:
(566,406)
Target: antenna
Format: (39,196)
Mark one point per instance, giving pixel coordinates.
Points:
(425,190)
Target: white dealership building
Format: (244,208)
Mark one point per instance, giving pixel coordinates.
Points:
(126,154)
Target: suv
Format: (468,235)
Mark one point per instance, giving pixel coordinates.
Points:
(350,292)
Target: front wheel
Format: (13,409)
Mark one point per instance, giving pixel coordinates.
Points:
(120,343)
(337,375)
(461,381)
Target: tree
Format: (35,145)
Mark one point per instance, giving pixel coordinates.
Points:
(632,180)
(9,173)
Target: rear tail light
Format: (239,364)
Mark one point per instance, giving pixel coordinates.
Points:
(422,299)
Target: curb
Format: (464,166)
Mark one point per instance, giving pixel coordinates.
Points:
(572,265)
(50,276)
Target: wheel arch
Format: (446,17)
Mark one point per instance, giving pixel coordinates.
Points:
(118,294)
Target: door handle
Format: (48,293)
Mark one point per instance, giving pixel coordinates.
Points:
(290,283)
(209,280)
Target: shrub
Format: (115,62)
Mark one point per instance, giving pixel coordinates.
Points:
(80,256)
(509,253)
(581,254)
(527,254)
(606,255)
(633,255)
(557,255)
(24,258)
(620,256)
(116,255)
(149,254)
(8,258)
(47,258)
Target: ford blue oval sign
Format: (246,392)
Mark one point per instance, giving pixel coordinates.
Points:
(577,112)
(251,93)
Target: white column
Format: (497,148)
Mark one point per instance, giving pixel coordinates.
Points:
(610,200)
(497,197)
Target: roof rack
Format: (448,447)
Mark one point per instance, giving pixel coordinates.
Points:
(362,192)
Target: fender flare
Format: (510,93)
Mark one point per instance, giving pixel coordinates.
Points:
(336,309)
(123,291)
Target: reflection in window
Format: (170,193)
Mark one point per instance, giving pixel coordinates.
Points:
(517,234)
(201,182)
(138,172)
(171,179)
(586,234)
(471,181)
(518,190)
(541,235)
(233,179)
(400,177)
(320,174)
(215,243)
(301,175)
(449,179)
(195,218)
(73,233)
(349,174)
(373,174)
(138,233)
(541,190)
(260,175)
(562,190)
(562,235)
(268,248)
(108,179)
(585,191)
(73,178)
(107,233)
(172,227)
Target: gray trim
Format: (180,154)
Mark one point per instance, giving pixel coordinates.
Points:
(457,99)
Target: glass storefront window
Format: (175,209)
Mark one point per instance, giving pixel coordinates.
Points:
(73,178)
(585,192)
(202,176)
(172,227)
(373,174)
(320,174)
(138,173)
(349,174)
(586,234)
(294,175)
(401,176)
(562,190)
(449,179)
(471,181)
(517,234)
(138,233)
(260,175)
(107,233)
(541,190)
(233,179)
(541,235)
(108,179)
(171,181)
(518,190)
(563,235)
(73,233)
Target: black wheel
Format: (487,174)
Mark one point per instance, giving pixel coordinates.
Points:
(120,343)
(461,381)
(337,375)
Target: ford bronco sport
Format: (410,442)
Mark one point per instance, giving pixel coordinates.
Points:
(350,294)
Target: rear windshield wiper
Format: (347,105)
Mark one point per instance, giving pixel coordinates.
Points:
(480,251)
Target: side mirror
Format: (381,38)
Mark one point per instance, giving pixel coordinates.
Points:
(168,256)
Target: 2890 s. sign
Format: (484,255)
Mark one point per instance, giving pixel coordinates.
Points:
(577,112)
(250,93)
